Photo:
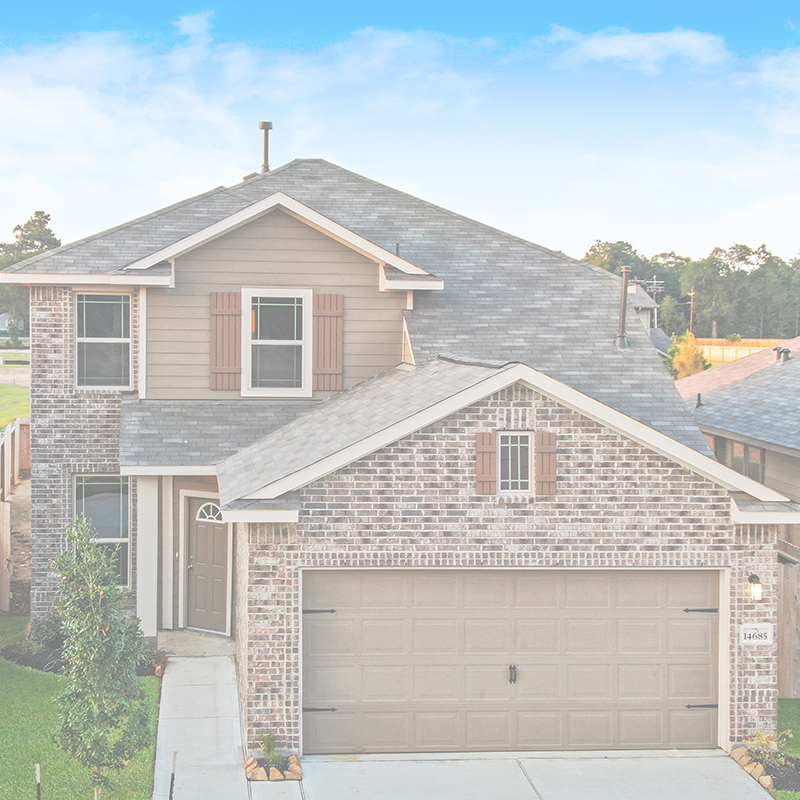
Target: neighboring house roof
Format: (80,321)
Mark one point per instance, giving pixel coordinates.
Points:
(196,433)
(502,296)
(661,341)
(639,297)
(403,401)
(733,371)
(762,406)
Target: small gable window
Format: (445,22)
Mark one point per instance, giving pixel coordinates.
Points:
(515,462)
(277,331)
(103,341)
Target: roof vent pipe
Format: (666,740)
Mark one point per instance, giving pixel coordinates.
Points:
(266,127)
(781,354)
(621,341)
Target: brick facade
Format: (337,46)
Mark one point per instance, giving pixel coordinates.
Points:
(413,504)
(73,432)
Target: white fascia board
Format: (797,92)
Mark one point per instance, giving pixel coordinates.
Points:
(561,393)
(168,469)
(63,279)
(388,285)
(772,517)
(296,209)
(259,515)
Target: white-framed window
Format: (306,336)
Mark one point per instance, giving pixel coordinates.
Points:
(514,459)
(103,341)
(209,512)
(105,501)
(277,327)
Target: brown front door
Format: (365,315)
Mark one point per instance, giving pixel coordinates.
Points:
(207,567)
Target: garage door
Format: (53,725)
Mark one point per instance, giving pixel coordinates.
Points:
(440,660)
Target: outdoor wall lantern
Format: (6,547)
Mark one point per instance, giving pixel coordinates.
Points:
(755,588)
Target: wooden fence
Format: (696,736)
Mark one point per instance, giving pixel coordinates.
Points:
(15,463)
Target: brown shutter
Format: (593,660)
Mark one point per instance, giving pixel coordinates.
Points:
(328,351)
(544,460)
(486,462)
(226,340)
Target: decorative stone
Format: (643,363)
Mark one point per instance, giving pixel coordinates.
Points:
(758,771)
(297,769)
(738,753)
(251,763)
(766,782)
(745,760)
(294,760)
(275,774)
(292,775)
(258,774)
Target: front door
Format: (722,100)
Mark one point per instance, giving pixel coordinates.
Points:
(207,567)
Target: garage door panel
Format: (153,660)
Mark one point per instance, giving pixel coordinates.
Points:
(639,636)
(380,683)
(383,637)
(588,636)
(540,730)
(639,681)
(638,728)
(590,728)
(436,682)
(435,636)
(542,636)
(436,730)
(420,660)
(694,634)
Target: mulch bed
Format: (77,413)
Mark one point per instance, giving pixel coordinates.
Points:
(787,777)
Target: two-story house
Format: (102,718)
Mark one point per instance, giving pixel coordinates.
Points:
(407,462)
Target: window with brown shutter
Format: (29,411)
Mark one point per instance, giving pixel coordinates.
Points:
(544,459)
(226,340)
(486,462)
(327,349)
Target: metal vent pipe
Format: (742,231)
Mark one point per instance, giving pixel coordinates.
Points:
(621,341)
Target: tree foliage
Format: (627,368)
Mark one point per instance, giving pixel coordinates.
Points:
(685,357)
(740,291)
(104,714)
(30,238)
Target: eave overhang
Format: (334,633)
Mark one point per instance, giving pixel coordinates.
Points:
(84,279)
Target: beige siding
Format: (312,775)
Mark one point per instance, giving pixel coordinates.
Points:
(275,250)
(782,474)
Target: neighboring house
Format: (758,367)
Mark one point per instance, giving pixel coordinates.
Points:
(397,456)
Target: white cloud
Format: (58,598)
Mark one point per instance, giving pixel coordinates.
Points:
(194,24)
(648,52)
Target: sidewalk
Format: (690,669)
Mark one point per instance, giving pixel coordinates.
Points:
(199,717)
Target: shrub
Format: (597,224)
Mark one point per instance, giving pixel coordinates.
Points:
(765,747)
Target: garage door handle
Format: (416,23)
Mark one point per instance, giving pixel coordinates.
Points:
(512,673)
(701,610)
(318,709)
(702,705)
(319,610)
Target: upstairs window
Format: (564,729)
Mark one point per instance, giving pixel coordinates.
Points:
(747,460)
(277,337)
(105,501)
(515,462)
(104,340)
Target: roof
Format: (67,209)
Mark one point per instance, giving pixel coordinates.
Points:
(639,297)
(733,371)
(661,341)
(404,400)
(197,433)
(503,297)
(762,406)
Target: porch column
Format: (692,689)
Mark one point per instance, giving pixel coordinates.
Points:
(147,553)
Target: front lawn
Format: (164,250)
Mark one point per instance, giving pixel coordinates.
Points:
(15,401)
(28,718)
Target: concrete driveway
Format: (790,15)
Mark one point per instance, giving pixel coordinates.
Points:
(645,775)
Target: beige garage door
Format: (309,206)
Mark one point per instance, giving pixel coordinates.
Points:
(437,660)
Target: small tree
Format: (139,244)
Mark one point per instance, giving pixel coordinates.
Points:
(686,358)
(104,714)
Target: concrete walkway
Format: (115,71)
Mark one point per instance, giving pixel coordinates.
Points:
(199,717)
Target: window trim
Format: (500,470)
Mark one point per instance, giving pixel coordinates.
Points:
(529,436)
(106,540)
(104,340)
(307,296)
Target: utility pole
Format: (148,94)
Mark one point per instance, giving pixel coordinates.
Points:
(691,311)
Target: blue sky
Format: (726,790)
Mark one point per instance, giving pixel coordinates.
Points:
(673,128)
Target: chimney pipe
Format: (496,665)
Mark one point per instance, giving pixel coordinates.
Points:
(781,354)
(621,341)
(266,127)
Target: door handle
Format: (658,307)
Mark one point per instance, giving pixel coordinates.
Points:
(512,673)
(190,565)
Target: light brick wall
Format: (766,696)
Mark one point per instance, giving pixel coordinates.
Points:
(73,431)
(413,504)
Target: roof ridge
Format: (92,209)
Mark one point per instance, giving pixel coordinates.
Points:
(152,215)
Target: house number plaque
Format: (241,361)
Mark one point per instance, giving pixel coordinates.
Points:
(756,634)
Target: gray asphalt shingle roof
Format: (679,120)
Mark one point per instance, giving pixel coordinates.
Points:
(344,420)
(762,406)
(198,432)
(503,297)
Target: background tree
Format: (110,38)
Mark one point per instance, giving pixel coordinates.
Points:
(104,713)
(30,238)
(686,357)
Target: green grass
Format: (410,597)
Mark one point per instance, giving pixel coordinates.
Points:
(789,720)
(28,718)
(15,401)
(13,628)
